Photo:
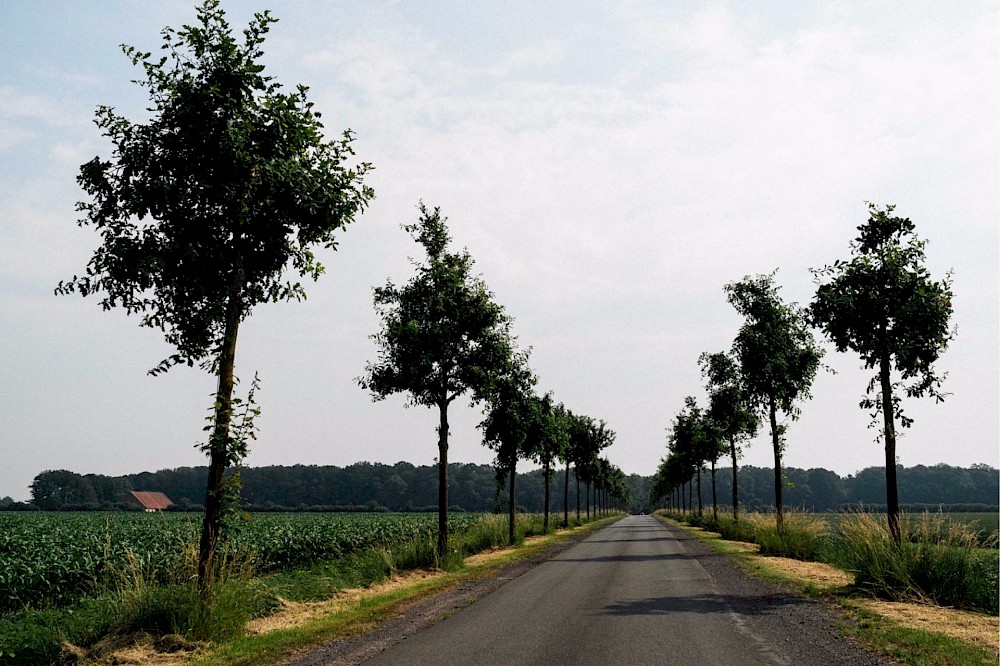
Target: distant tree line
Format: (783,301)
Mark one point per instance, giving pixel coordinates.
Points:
(405,487)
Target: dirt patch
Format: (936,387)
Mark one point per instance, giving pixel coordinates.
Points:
(982,630)
(817,573)
(745,546)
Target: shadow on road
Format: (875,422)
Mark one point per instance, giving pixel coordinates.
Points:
(659,557)
(704,603)
(629,540)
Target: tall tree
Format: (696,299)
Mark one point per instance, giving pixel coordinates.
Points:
(693,439)
(508,425)
(729,408)
(778,359)
(551,434)
(576,453)
(203,207)
(884,305)
(442,336)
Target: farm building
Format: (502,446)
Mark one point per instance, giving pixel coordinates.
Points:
(148,500)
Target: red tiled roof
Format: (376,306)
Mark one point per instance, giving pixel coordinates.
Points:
(151,500)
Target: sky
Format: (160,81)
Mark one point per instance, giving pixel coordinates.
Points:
(610,166)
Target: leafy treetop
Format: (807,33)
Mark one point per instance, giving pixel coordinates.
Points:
(883,304)
(228,184)
(443,334)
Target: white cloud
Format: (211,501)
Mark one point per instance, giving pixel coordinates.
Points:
(544,53)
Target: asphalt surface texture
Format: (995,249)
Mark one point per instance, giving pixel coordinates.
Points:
(636,592)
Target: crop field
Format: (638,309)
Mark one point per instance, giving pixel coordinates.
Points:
(54,558)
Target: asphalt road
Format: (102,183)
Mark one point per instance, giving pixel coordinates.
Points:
(636,592)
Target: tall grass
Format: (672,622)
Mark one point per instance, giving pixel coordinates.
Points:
(493,531)
(940,560)
(149,601)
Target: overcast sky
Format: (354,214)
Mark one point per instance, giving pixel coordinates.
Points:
(610,166)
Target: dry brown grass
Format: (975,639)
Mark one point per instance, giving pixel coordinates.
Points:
(297,613)
(981,630)
(821,576)
(139,648)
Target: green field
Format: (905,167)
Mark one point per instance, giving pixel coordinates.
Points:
(988,522)
(50,559)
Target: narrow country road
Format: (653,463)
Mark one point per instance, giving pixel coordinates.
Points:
(636,592)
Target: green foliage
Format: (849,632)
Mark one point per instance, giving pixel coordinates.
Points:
(729,408)
(802,537)
(511,417)
(203,208)
(148,590)
(883,304)
(33,636)
(694,437)
(442,334)
(778,358)
(777,355)
(148,603)
(228,183)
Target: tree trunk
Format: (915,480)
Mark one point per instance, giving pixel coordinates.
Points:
(699,491)
(546,469)
(566,497)
(736,496)
(576,474)
(512,502)
(691,495)
(219,443)
(442,547)
(715,500)
(776,441)
(891,491)
(587,486)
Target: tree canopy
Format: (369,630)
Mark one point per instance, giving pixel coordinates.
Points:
(228,184)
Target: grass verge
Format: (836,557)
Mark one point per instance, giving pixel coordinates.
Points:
(882,627)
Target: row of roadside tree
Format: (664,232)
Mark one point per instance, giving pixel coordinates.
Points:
(215,204)
(881,304)
(443,336)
